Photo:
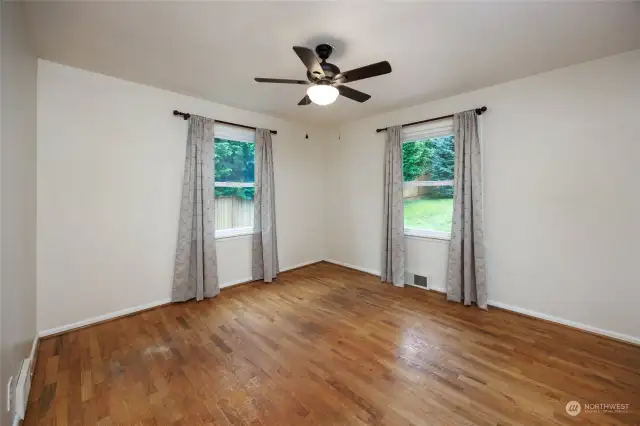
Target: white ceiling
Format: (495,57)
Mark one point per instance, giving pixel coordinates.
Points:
(213,50)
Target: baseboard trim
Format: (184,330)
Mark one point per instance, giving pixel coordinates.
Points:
(55,331)
(102,318)
(573,324)
(357,268)
(140,308)
(301,265)
(250,280)
(526,312)
(34,349)
(236,283)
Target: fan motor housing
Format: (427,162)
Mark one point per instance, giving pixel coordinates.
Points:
(330,70)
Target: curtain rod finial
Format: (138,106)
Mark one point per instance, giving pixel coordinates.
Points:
(480,110)
(184,115)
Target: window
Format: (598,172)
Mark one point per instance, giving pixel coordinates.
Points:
(235,151)
(427,164)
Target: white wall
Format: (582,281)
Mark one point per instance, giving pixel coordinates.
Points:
(18,67)
(561,152)
(560,173)
(110,165)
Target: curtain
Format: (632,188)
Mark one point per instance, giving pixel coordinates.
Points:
(265,244)
(466,279)
(393,213)
(195,272)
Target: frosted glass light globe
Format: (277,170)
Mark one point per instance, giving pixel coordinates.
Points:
(322,94)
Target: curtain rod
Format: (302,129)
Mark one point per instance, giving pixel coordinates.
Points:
(479,111)
(186,116)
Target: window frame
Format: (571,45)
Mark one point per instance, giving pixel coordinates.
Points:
(422,132)
(235,134)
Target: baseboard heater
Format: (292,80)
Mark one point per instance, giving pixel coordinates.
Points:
(23,386)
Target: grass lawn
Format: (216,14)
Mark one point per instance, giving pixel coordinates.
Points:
(432,214)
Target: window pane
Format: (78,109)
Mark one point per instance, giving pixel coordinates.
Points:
(234,207)
(428,207)
(234,161)
(429,159)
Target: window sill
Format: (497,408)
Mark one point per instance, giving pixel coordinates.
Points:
(233,233)
(426,234)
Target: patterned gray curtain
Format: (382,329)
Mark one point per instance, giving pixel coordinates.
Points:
(265,244)
(466,279)
(393,214)
(196,272)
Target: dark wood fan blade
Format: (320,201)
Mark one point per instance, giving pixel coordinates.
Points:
(354,94)
(368,71)
(309,60)
(305,101)
(280,80)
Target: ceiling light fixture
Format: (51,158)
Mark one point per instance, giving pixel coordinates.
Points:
(322,94)
(327,79)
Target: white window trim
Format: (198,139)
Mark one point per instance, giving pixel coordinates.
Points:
(423,131)
(426,233)
(429,183)
(233,232)
(234,184)
(233,133)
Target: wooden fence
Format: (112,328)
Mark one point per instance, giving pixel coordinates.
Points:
(414,191)
(233,212)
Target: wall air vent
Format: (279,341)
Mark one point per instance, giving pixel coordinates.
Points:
(421,281)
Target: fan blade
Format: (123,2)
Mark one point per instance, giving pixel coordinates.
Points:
(368,71)
(354,94)
(305,101)
(280,80)
(309,60)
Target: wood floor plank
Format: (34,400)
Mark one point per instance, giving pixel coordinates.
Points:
(326,345)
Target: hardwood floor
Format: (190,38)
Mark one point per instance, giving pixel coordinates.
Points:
(330,346)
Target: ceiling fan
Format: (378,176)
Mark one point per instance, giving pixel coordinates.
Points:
(327,82)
